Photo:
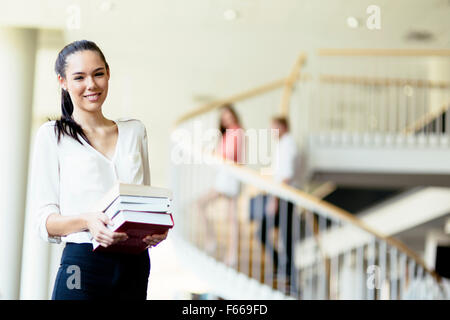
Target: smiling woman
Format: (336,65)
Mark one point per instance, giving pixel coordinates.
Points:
(76,160)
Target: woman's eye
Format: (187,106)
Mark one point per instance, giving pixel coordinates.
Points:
(99,74)
(78,78)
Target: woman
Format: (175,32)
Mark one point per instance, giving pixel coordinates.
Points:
(225,185)
(76,160)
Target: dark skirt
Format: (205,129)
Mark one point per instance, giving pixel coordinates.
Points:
(86,275)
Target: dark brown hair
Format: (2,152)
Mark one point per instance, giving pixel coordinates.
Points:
(282,120)
(228,107)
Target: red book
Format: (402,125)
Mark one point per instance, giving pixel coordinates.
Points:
(137,225)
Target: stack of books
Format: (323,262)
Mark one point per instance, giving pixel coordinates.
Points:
(137,210)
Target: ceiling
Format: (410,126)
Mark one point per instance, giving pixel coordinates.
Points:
(311,22)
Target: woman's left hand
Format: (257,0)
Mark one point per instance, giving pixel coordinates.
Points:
(154,239)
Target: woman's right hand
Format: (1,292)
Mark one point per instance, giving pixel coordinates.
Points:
(96,224)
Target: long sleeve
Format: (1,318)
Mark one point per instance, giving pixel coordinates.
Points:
(44,183)
(145,158)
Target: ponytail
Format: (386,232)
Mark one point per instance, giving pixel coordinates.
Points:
(66,124)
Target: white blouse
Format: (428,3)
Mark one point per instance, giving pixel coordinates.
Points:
(69,178)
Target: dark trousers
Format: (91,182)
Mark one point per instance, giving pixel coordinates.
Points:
(87,275)
(282,219)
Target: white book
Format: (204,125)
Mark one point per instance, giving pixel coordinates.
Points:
(123,189)
(162,206)
(143,199)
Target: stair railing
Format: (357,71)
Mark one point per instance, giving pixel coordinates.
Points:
(312,249)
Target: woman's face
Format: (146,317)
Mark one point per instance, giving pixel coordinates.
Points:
(228,119)
(86,80)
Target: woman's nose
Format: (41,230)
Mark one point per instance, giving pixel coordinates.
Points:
(91,83)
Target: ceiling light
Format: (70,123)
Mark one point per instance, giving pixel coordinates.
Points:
(230,14)
(106,6)
(352,22)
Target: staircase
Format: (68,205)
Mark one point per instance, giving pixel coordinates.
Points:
(389,151)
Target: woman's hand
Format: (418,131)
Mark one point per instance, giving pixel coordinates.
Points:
(154,239)
(96,224)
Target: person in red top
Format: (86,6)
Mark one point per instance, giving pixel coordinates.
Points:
(230,145)
(226,186)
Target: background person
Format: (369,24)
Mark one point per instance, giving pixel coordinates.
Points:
(278,213)
(226,186)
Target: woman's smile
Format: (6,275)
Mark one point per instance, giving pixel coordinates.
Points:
(93,97)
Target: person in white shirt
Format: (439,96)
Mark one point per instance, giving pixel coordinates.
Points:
(76,160)
(287,169)
(287,165)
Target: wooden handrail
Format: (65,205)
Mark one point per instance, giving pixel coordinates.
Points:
(309,202)
(289,81)
(287,92)
(426,119)
(329,52)
(375,81)
(324,190)
(286,83)
(216,104)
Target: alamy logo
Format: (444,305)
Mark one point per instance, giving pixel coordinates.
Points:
(374,20)
(196,146)
(73,21)
(74,280)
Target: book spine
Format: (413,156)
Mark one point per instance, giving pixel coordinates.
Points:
(143,207)
(112,209)
(144,199)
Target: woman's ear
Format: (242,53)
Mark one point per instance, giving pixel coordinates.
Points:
(108,73)
(62,82)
